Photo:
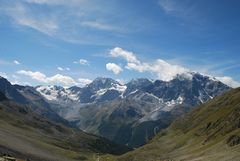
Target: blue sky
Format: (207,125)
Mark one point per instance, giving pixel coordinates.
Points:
(71,42)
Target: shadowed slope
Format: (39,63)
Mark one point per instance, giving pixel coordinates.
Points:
(25,134)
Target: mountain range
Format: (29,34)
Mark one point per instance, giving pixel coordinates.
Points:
(136,113)
(129,114)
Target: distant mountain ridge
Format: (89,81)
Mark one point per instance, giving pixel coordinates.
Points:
(130,113)
(144,105)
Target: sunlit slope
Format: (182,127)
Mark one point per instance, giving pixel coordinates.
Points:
(210,132)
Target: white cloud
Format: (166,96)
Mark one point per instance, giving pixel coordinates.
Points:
(56,2)
(116,69)
(229,81)
(188,12)
(167,5)
(34,75)
(82,62)
(16,62)
(127,55)
(160,68)
(97,25)
(60,68)
(21,15)
(84,81)
(63,69)
(4,75)
(56,79)
(69,20)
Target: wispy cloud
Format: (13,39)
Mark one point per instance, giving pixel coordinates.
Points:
(24,16)
(56,2)
(69,21)
(98,25)
(182,9)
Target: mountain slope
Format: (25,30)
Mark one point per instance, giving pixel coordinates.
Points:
(11,92)
(145,107)
(39,105)
(210,132)
(26,135)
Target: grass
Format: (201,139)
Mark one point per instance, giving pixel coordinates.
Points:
(29,136)
(199,136)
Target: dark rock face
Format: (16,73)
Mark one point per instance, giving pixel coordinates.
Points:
(11,92)
(233,140)
(89,93)
(136,84)
(28,96)
(2,97)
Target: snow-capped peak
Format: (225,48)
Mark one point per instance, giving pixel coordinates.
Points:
(57,93)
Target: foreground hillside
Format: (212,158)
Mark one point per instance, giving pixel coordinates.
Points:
(208,133)
(26,135)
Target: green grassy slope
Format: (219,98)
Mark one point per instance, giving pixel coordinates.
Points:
(25,135)
(208,133)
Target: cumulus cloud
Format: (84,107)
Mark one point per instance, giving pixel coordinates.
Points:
(116,69)
(56,79)
(84,81)
(162,69)
(127,55)
(34,75)
(229,81)
(16,62)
